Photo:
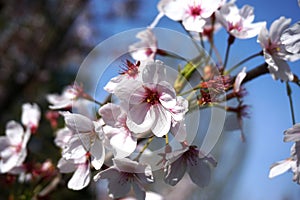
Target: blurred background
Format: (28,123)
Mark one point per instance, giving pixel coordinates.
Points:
(43,44)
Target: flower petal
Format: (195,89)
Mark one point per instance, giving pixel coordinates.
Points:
(280,167)
(175,171)
(110,113)
(81,177)
(162,123)
(98,154)
(200,173)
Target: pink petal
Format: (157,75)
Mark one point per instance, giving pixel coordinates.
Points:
(81,178)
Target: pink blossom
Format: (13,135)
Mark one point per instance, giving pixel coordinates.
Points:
(238,22)
(275,55)
(149,103)
(125,174)
(192,13)
(13,146)
(68,97)
(87,134)
(120,137)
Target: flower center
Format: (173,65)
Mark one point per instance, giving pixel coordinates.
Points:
(195,10)
(130,69)
(152,96)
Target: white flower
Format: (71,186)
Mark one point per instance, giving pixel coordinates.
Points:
(130,71)
(68,97)
(31,115)
(80,167)
(189,160)
(239,79)
(192,13)
(238,22)
(209,29)
(290,39)
(88,134)
(13,146)
(274,53)
(146,48)
(120,137)
(292,134)
(149,103)
(125,174)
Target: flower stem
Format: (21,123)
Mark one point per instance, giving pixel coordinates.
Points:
(229,43)
(144,148)
(243,61)
(289,93)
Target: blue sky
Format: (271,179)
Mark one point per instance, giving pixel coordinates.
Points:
(269,112)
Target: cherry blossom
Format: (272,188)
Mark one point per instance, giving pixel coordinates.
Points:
(31,115)
(275,55)
(239,79)
(13,146)
(130,71)
(121,138)
(238,22)
(149,102)
(146,48)
(68,97)
(192,13)
(88,134)
(189,160)
(81,168)
(124,175)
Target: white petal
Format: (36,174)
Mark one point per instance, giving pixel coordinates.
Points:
(78,123)
(194,24)
(162,123)
(74,149)
(66,166)
(179,131)
(113,84)
(31,115)
(81,177)
(137,113)
(278,68)
(110,113)
(63,136)
(277,28)
(239,79)
(154,72)
(280,167)
(174,10)
(14,132)
(123,143)
(98,154)
(141,128)
(292,134)
(131,91)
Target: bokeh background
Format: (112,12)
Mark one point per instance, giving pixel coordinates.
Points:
(43,44)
